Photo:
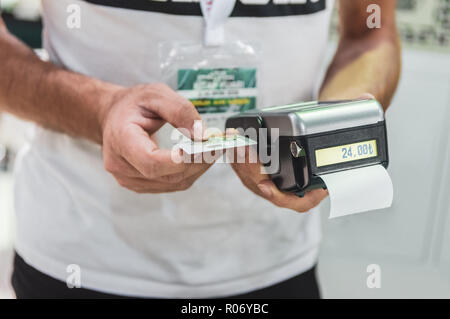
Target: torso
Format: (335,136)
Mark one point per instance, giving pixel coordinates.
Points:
(215,239)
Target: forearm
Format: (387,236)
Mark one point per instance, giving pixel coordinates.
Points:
(367,60)
(368,64)
(48,95)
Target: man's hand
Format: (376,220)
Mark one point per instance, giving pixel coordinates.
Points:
(261,184)
(120,119)
(251,176)
(129,152)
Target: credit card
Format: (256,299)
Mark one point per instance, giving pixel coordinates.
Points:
(215,143)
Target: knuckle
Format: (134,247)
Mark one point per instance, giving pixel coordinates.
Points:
(162,86)
(279,203)
(110,166)
(149,171)
(122,182)
(184,185)
(133,188)
(145,91)
(139,190)
(158,88)
(179,116)
(175,178)
(140,89)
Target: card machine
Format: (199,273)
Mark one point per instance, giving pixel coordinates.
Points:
(317,138)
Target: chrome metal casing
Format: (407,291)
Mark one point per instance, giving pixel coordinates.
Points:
(317,117)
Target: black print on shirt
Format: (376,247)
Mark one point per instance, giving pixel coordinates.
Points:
(269,9)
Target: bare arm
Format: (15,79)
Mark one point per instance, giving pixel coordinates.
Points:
(48,95)
(367,60)
(121,119)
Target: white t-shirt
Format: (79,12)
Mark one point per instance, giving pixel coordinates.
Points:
(215,239)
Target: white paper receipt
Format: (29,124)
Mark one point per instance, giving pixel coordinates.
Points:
(215,143)
(359,190)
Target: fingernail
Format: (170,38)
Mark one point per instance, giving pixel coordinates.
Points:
(266,190)
(198,130)
(366,96)
(231,132)
(211,132)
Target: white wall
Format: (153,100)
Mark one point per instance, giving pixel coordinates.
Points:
(411,240)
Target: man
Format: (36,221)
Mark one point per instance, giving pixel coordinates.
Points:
(94,191)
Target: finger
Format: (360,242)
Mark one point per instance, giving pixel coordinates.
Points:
(142,185)
(288,200)
(117,165)
(194,170)
(142,153)
(248,169)
(175,109)
(198,164)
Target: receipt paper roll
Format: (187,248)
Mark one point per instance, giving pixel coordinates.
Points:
(358,190)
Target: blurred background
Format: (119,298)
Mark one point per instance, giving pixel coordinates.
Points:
(410,241)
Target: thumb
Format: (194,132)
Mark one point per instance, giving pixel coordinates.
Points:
(176,110)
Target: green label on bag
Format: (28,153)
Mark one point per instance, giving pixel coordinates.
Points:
(219,90)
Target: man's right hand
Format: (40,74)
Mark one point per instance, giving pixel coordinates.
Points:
(129,152)
(122,120)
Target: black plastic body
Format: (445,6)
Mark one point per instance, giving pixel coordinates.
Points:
(300,174)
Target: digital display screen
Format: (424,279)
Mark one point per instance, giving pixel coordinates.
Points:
(346,153)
